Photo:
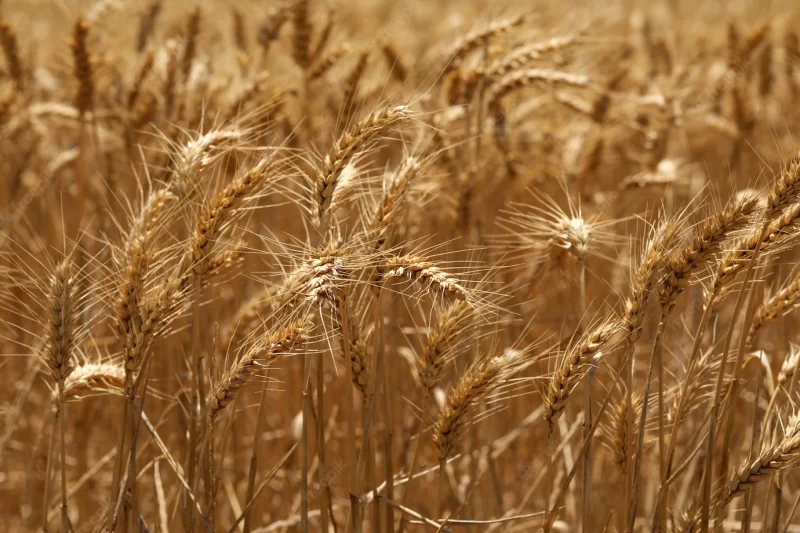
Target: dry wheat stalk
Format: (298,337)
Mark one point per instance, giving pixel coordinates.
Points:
(617,431)
(253,313)
(222,208)
(359,345)
(190,41)
(394,62)
(524,78)
(774,233)
(788,367)
(196,155)
(301,38)
(786,190)
(328,271)
(351,84)
(328,61)
(144,71)
(697,385)
(653,254)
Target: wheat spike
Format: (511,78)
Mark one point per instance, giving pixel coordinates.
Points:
(260,354)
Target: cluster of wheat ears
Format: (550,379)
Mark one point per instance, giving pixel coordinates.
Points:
(317,265)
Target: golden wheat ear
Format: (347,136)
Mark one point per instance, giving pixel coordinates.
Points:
(707,240)
(478,382)
(431,277)
(90,379)
(261,353)
(59,354)
(585,354)
(355,139)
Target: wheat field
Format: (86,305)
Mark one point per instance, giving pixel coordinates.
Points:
(457,266)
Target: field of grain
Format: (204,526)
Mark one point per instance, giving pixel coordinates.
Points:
(399,266)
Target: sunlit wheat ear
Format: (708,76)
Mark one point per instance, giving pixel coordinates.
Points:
(224,208)
(91,379)
(359,339)
(328,273)
(425,273)
(575,364)
(388,209)
(478,38)
(780,456)
(259,354)
(526,54)
(526,78)
(59,353)
(733,261)
(614,431)
(557,229)
(707,240)
(699,385)
(779,304)
(789,365)
(479,381)
(355,139)
(441,343)
(786,190)
(654,253)
(197,154)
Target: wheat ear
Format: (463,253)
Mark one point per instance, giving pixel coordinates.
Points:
(260,354)
(353,140)
(478,38)
(781,303)
(579,359)
(425,273)
(59,356)
(706,241)
(94,377)
(387,210)
(774,458)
